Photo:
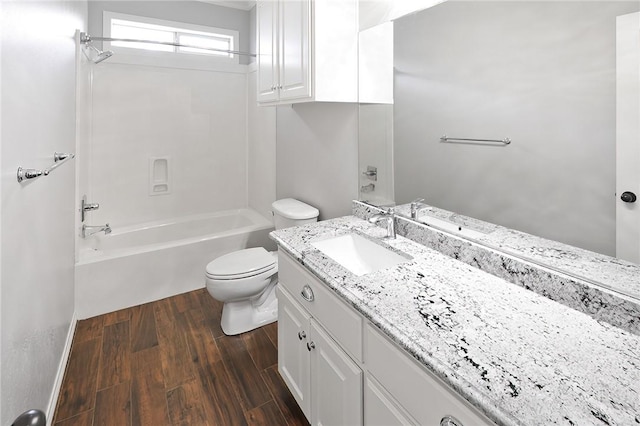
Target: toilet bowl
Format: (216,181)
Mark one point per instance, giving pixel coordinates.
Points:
(245,280)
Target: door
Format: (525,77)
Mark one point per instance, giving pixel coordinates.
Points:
(295,41)
(293,355)
(628,137)
(337,382)
(267,28)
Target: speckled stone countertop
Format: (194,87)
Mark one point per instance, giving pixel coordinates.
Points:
(519,357)
(541,273)
(606,271)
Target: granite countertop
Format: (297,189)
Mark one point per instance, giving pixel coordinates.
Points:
(519,357)
(605,271)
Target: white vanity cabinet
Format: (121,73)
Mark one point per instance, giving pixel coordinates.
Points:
(307,51)
(380,408)
(343,371)
(410,394)
(324,380)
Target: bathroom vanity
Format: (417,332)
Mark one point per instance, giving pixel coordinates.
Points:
(325,344)
(433,339)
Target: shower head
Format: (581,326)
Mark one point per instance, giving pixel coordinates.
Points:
(98,55)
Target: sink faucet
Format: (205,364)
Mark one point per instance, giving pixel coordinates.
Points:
(90,230)
(390,217)
(415,205)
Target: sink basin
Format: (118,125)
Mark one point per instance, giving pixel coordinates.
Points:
(453,228)
(359,255)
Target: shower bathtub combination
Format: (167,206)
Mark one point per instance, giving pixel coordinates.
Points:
(142,263)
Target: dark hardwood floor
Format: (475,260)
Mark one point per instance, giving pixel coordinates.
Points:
(169,363)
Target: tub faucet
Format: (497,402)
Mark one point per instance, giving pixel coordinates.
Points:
(90,230)
(390,217)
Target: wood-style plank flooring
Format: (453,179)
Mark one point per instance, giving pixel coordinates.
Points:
(169,363)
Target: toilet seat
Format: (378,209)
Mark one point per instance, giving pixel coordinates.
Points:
(241,264)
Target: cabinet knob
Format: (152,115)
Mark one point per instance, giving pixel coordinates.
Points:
(450,421)
(307,293)
(311,345)
(302,335)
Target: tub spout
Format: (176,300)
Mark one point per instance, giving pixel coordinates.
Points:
(90,230)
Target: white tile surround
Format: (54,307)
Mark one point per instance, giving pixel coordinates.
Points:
(196,118)
(521,358)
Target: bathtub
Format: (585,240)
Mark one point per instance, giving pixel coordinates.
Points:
(143,263)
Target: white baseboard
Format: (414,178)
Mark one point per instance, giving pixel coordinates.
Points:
(57,384)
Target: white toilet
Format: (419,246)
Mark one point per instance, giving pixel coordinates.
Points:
(245,280)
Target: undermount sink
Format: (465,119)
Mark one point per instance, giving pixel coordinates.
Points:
(454,228)
(359,255)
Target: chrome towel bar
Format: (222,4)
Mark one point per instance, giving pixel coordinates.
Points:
(59,159)
(505,141)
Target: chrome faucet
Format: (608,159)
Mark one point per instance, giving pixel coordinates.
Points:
(90,230)
(390,217)
(86,207)
(415,205)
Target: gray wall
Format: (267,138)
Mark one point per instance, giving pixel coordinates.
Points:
(317,156)
(252,33)
(541,73)
(38,118)
(192,12)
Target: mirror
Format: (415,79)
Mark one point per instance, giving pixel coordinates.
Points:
(542,74)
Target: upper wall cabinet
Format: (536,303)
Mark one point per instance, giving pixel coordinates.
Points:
(307,51)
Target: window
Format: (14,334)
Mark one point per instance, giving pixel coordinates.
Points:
(198,38)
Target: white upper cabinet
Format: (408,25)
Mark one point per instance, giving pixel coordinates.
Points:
(267,24)
(307,51)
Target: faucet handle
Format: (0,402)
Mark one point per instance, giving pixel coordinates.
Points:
(416,202)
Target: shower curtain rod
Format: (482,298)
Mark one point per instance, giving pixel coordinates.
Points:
(86,39)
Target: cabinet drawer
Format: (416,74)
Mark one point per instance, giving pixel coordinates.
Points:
(425,397)
(380,408)
(341,321)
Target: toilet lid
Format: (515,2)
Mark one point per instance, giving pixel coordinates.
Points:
(241,264)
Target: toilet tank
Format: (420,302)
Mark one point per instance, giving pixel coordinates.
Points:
(290,212)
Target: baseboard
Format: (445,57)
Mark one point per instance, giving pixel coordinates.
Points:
(57,384)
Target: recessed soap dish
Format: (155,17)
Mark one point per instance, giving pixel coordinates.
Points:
(159,176)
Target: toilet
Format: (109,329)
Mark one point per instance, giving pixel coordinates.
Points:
(245,280)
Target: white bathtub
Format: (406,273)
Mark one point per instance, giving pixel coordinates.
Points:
(148,262)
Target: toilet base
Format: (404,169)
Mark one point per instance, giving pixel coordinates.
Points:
(245,315)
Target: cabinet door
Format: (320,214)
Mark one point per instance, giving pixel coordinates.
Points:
(267,23)
(337,382)
(379,410)
(293,355)
(421,394)
(294,54)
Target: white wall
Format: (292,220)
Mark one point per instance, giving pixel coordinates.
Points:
(317,155)
(196,118)
(38,118)
(375,12)
(531,71)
